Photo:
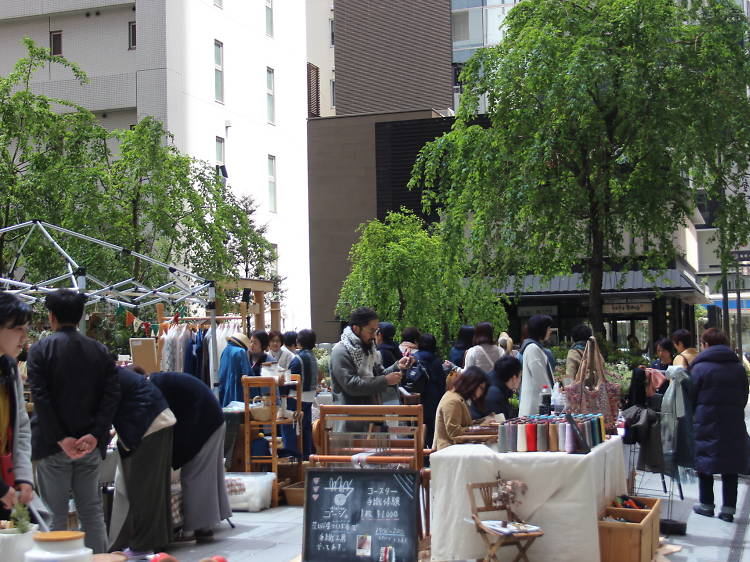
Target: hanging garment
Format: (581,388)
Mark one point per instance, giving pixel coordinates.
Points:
(234,364)
(643,427)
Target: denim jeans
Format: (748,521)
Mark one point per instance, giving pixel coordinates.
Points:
(58,475)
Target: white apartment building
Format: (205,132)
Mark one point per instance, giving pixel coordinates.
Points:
(226,77)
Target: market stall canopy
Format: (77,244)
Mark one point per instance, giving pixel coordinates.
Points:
(183,286)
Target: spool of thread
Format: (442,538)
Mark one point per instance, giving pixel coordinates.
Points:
(595,430)
(531,437)
(585,429)
(521,441)
(542,434)
(553,441)
(603,427)
(561,436)
(570,439)
(502,439)
(513,437)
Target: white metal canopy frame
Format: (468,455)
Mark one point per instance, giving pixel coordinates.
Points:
(184,286)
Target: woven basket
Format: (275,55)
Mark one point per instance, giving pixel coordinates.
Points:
(261,413)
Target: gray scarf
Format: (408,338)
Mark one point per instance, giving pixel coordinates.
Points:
(354,346)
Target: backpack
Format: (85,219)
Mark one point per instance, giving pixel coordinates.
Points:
(416,378)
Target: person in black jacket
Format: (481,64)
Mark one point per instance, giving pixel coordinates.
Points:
(198,450)
(75,392)
(389,351)
(141,513)
(722,446)
(505,378)
(428,357)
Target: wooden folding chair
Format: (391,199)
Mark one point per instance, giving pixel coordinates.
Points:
(494,540)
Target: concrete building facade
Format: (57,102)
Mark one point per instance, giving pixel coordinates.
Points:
(226,78)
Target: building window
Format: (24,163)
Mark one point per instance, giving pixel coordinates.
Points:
(332,25)
(55,42)
(219,71)
(269,18)
(270,96)
(219,3)
(333,93)
(313,90)
(272,183)
(220,150)
(131,35)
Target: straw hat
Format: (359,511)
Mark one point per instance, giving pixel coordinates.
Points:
(240,339)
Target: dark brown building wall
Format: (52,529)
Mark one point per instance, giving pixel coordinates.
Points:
(393,55)
(342,195)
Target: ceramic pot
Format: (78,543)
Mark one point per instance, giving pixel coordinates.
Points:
(59,546)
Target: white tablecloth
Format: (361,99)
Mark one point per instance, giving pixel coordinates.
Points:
(565,495)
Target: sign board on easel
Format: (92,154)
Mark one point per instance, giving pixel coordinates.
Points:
(366,515)
(143,354)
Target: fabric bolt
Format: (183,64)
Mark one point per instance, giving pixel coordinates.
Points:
(541,437)
(521,445)
(502,438)
(560,487)
(531,437)
(561,432)
(204,493)
(570,439)
(554,443)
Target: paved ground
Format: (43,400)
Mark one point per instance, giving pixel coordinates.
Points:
(275,535)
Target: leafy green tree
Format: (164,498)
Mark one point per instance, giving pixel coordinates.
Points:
(599,112)
(55,165)
(399,268)
(52,154)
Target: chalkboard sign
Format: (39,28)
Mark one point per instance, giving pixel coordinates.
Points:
(361,515)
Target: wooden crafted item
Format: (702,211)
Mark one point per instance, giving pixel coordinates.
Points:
(494,540)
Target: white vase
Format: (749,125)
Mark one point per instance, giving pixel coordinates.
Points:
(59,546)
(13,544)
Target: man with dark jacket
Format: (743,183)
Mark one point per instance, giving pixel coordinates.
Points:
(75,392)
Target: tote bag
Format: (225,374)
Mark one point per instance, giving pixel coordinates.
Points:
(591,392)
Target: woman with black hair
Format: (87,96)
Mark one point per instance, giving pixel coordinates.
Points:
(536,367)
(388,348)
(665,354)
(504,380)
(461,345)
(15,430)
(452,416)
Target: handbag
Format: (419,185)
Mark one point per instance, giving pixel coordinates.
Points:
(591,392)
(259,409)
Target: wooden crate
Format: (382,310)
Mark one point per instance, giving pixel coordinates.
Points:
(654,504)
(627,542)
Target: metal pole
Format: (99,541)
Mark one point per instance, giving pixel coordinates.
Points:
(81,281)
(725,304)
(214,354)
(739,310)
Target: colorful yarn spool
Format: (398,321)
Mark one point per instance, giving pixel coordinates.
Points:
(553,441)
(502,439)
(521,441)
(542,433)
(561,436)
(531,437)
(513,438)
(570,439)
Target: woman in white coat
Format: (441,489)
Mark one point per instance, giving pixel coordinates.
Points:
(536,368)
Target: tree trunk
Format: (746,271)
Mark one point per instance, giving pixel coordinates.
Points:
(596,272)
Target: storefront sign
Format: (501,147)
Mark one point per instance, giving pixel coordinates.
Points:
(627,308)
(529,311)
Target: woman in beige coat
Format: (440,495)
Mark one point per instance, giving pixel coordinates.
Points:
(453,417)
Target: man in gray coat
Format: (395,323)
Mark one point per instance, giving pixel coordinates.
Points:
(357,373)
